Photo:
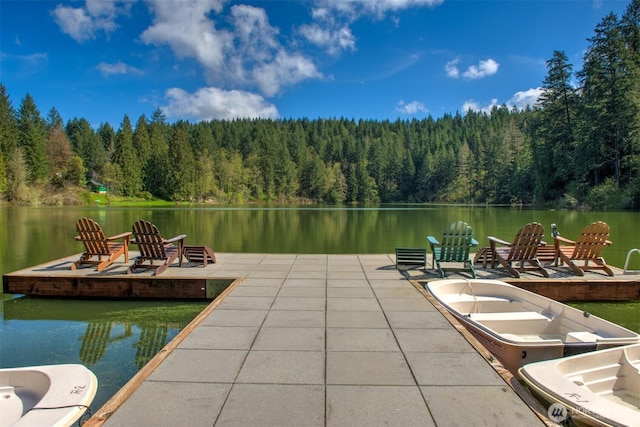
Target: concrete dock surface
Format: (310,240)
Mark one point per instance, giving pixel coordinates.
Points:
(318,340)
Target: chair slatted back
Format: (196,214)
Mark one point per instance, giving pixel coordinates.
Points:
(591,241)
(149,240)
(92,236)
(456,242)
(526,243)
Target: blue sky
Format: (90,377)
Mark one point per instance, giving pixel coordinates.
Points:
(223,59)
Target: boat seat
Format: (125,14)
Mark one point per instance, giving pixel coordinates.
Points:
(582,337)
(509,316)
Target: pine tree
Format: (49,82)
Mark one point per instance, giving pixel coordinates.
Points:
(125,157)
(155,175)
(54,119)
(32,134)
(607,103)
(87,144)
(555,133)
(8,124)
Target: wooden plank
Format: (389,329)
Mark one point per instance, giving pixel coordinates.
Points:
(574,290)
(144,287)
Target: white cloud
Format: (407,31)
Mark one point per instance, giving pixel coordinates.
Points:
(117,68)
(483,69)
(413,107)
(333,39)
(248,54)
(213,103)
(75,22)
(474,106)
(451,68)
(375,7)
(284,70)
(332,19)
(519,100)
(82,23)
(525,98)
(186,28)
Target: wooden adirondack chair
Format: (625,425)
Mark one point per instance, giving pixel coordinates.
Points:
(522,250)
(96,244)
(457,240)
(153,247)
(586,249)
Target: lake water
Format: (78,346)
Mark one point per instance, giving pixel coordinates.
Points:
(115,338)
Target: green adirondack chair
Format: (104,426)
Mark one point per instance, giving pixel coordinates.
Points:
(457,240)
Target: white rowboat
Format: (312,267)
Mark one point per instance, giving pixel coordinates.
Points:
(520,327)
(50,395)
(601,388)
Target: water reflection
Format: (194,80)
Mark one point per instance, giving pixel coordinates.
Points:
(151,341)
(114,339)
(94,342)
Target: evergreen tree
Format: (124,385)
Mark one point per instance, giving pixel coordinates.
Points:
(54,119)
(155,174)
(125,157)
(183,165)
(87,144)
(108,137)
(608,106)
(555,137)
(142,141)
(32,136)
(8,125)
(631,159)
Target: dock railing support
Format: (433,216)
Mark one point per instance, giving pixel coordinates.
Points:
(626,262)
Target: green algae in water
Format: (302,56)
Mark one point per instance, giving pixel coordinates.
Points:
(625,314)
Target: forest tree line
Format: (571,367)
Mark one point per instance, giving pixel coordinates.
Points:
(579,146)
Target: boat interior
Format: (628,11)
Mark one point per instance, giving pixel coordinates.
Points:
(18,394)
(519,315)
(612,379)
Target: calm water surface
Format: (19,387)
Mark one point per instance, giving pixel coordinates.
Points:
(116,338)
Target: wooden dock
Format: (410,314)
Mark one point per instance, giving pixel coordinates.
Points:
(193,281)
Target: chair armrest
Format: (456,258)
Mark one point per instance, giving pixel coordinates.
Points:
(433,241)
(474,242)
(560,239)
(608,242)
(124,235)
(500,241)
(175,239)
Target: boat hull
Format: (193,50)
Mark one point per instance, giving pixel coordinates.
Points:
(520,327)
(601,388)
(49,395)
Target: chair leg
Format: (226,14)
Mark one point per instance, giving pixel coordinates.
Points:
(440,270)
(603,265)
(540,268)
(104,264)
(506,265)
(160,269)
